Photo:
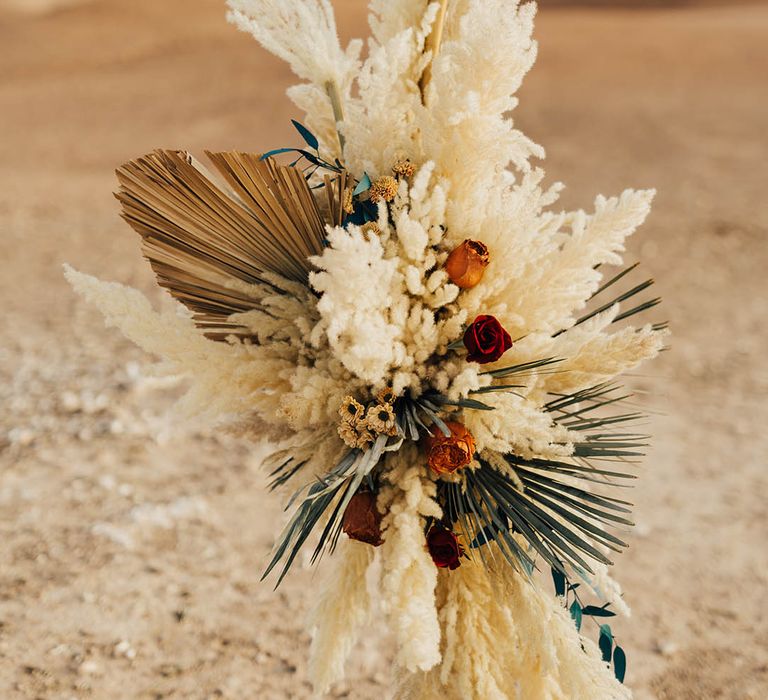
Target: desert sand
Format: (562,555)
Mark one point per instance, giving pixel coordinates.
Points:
(132,541)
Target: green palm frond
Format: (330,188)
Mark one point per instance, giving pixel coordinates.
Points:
(620,298)
(284,472)
(327,497)
(523,368)
(584,412)
(561,522)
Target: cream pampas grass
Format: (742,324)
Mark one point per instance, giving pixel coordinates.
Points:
(343,608)
(504,637)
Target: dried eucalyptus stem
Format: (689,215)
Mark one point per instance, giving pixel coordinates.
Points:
(434,40)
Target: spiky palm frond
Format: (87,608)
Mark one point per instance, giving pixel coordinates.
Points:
(620,298)
(283,473)
(559,507)
(523,368)
(327,498)
(559,521)
(584,412)
(413,415)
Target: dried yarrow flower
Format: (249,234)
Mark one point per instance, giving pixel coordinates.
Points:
(466,264)
(351,411)
(381,419)
(403,168)
(449,453)
(384,188)
(362,520)
(347,203)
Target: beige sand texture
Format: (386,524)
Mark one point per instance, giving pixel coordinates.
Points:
(131,546)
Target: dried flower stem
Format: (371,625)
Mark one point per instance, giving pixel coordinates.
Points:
(433,44)
(338,111)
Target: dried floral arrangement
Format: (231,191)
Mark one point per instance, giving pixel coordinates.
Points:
(433,347)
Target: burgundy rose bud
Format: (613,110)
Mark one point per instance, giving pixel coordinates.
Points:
(362,520)
(444,548)
(486,340)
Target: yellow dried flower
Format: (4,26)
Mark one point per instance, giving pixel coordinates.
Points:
(403,168)
(364,438)
(347,204)
(386,395)
(385,188)
(350,410)
(348,433)
(381,419)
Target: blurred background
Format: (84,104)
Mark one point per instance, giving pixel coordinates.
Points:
(131,548)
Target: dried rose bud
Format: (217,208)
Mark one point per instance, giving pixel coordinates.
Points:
(362,520)
(447,454)
(466,264)
(444,548)
(486,340)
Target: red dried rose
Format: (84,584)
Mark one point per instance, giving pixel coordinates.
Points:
(449,453)
(444,548)
(362,520)
(486,340)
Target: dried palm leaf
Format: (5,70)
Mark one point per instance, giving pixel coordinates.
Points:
(205,236)
(335,187)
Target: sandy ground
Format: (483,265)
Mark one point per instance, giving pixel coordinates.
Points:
(131,548)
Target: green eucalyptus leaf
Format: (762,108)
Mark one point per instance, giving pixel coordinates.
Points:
(559,579)
(306,134)
(576,614)
(594,611)
(278,151)
(364,184)
(619,664)
(605,642)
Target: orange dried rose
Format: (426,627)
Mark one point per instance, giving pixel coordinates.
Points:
(447,454)
(362,520)
(466,264)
